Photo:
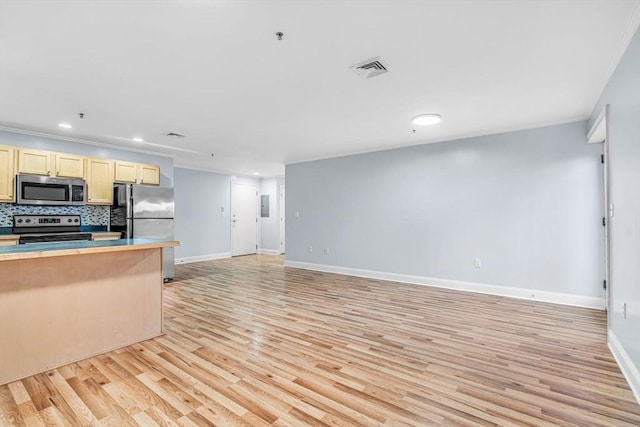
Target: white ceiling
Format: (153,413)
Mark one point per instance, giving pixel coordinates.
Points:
(214,71)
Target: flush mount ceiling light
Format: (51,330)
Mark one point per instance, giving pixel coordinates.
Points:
(426,119)
(136,139)
(65,125)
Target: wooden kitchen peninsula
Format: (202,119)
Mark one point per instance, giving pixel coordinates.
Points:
(64,302)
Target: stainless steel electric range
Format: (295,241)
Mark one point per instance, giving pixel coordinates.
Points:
(48,228)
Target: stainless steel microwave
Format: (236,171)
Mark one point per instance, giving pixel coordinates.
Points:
(44,190)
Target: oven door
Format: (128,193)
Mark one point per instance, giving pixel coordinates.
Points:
(29,239)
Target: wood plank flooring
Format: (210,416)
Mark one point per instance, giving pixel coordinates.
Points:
(251,343)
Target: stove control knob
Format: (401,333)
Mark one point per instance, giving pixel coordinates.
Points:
(27,220)
(76,220)
(19,221)
(69,220)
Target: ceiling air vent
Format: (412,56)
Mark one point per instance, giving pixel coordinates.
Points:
(174,135)
(370,68)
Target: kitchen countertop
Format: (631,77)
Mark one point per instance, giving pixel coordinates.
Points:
(46,250)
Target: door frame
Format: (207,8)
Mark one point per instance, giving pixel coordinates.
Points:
(254,186)
(599,133)
(281,211)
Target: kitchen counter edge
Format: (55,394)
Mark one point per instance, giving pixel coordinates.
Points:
(46,250)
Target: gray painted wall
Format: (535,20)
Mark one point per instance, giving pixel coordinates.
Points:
(622,93)
(199,225)
(527,203)
(53,144)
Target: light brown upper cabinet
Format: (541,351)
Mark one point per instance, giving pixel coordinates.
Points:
(126,172)
(149,174)
(38,162)
(7,173)
(137,173)
(69,165)
(99,181)
(34,162)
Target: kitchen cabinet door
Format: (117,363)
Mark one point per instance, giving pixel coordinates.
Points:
(126,172)
(9,240)
(34,162)
(99,181)
(69,165)
(37,162)
(7,173)
(149,174)
(101,236)
(136,173)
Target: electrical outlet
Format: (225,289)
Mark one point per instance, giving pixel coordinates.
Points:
(310,248)
(624,310)
(326,251)
(477,263)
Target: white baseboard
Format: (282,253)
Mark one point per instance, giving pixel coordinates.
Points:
(269,251)
(520,293)
(208,257)
(629,370)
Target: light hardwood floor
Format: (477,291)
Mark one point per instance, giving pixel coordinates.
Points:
(249,342)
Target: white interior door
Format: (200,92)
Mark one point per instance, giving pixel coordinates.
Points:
(281,212)
(599,134)
(244,219)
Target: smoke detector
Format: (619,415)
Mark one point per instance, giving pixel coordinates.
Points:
(174,135)
(370,68)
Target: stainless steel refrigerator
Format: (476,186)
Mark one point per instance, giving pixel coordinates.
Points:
(145,211)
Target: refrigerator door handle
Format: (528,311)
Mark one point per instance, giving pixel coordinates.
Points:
(129,201)
(130,229)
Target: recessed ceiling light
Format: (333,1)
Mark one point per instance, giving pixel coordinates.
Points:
(426,119)
(64,125)
(256,173)
(138,139)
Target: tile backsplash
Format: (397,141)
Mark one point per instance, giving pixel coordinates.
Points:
(89,215)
